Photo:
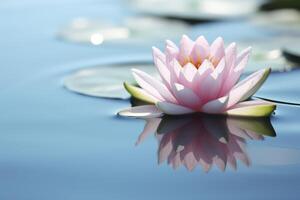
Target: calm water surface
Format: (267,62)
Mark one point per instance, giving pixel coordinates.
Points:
(55,144)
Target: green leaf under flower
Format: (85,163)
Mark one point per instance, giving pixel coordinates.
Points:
(263,110)
(137,93)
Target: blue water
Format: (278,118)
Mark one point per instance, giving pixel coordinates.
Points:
(55,144)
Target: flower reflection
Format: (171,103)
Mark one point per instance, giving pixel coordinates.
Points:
(205,140)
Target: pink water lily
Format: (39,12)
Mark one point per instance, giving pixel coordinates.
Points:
(198,77)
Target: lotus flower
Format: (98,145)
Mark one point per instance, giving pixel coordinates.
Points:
(205,141)
(198,77)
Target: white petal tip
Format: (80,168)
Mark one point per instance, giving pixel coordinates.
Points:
(135,70)
(173,109)
(148,111)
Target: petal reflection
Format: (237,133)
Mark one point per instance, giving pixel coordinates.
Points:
(205,140)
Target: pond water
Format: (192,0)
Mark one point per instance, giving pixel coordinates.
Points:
(55,144)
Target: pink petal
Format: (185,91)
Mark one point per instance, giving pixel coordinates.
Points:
(240,92)
(204,71)
(163,70)
(186,96)
(215,106)
(235,73)
(217,51)
(210,86)
(200,50)
(243,54)
(230,55)
(175,69)
(189,71)
(242,60)
(158,55)
(171,51)
(220,73)
(172,45)
(148,88)
(247,87)
(230,58)
(220,67)
(153,86)
(186,45)
(173,109)
(187,74)
(140,93)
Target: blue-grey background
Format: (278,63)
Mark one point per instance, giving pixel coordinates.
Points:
(55,144)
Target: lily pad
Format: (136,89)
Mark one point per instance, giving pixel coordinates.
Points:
(285,20)
(292,55)
(197,10)
(291,50)
(281,4)
(131,30)
(282,87)
(273,52)
(265,54)
(105,80)
(262,58)
(95,32)
(142,28)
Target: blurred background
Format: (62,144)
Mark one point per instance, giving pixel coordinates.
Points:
(79,30)
(55,144)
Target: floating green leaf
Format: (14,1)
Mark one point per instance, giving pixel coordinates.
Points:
(105,80)
(195,9)
(281,88)
(134,30)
